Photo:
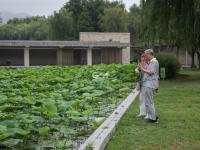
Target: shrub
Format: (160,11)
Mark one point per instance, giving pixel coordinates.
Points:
(169,62)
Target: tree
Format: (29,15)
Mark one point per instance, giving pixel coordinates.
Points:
(31,28)
(172,22)
(95,10)
(74,7)
(85,22)
(61,25)
(134,23)
(115,19)
(74,17)
(85,14)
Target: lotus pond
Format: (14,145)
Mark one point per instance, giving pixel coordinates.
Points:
(58,107)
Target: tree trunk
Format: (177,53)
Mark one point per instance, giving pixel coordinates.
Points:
(193,53)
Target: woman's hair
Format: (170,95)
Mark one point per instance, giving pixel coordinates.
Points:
(141,56)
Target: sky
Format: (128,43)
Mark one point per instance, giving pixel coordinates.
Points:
(42,7)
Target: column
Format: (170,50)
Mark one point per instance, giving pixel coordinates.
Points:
(59,56)
(126,55)
(89,56)
(26,57)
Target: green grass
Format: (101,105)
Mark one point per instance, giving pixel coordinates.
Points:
(178,107)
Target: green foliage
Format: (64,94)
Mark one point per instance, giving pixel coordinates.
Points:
(43,131)
(177,23)
(135,23)
(114,19)
(74,17)
(85,23)
(31,28)
(11,142)
(61,25)
(169,62)
(85,15)
(55,105)
(171,23)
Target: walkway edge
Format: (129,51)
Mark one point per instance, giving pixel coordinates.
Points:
(101,136)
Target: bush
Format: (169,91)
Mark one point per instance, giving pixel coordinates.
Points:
(169,62)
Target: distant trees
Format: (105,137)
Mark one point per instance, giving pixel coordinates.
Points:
(155,22)
(135,23)
(61,25)
(114,19)
(85,15)
(76,16)
(32,28)
(172,22)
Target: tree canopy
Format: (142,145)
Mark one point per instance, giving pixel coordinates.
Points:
(173,23)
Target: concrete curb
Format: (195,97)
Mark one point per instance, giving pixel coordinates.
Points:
(102,135)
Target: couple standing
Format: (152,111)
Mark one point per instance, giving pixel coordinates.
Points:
(149,70)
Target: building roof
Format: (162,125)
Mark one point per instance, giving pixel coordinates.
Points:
(61,44)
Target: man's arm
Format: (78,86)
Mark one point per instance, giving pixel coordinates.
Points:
(151,69)
(148,71)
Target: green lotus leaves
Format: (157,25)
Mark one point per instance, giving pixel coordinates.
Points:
(63,144)
(11,142)
(97,121)
(87,112)
(44,131)
(3,128)
(41,104)
(18,131)
(66,130)
(48,109)
(73,113)
(4,135)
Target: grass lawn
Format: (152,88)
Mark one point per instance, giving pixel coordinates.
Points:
(178,107)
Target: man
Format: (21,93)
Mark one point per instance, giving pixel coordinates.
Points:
(150,84)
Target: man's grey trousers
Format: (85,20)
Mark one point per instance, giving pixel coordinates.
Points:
(147,98)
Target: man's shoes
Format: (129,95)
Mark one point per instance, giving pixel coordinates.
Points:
(154,121)
(140,116)
(146,117)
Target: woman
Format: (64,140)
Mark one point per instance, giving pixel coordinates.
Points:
(142,102)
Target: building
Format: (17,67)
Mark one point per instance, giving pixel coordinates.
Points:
(109,55)
(93,48)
